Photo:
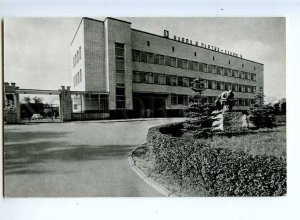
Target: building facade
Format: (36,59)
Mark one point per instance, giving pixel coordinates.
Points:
(132,73)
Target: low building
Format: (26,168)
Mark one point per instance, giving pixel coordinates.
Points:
(129,72)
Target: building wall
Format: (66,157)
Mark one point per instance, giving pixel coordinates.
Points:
(78,42)
(98,62)
(120,32)
(163,46)
(94,54)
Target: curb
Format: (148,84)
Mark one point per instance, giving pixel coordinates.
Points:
(158,187)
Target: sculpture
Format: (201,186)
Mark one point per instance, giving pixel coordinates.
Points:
(225,101)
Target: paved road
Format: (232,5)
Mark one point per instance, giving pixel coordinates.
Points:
(80,159)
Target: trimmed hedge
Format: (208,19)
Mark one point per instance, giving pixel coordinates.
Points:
(221,172)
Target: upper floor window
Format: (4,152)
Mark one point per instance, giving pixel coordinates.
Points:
(148,43)
(173,49)
(195,54)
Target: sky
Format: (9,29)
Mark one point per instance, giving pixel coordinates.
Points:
(37,52)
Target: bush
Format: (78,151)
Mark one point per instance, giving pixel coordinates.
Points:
(221,172)
(263,116)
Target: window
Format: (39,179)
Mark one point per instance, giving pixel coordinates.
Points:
(242,74)
(136,77)
(136,55)
(218,85)
(156,59)
(148,43)
(149,77)
(185,100)
(185,82)
(143,56)
(195,66)
(235,73)
(168,61)
(220,70)
(179,63)
(209,84)
(156,78)
(173,99)
(173,80)
(184,64)
(120,75)
(228,86)
(120,96)
(180,81)
(173,62)
(213,58)
(120,65)
(235,87)
(214,69)
(161,79)
(173,49)
(168,80)
(190,65)
(209,69)
(204,67)
(242,65)
(229,62)
(249,89)
(180,99)
(143,77)
(80,75)
(254,68)
(227,72)
(80,53)
(205,83)
(195,54)
(161,59)
(253,77)
(150,58)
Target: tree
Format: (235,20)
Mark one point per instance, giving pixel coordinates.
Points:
(37,100)
(27,99)
(259,98)
(196,111)
(195,108)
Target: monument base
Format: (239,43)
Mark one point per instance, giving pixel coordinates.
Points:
(229,121)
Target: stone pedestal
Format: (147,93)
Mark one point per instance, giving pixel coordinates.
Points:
(229,121)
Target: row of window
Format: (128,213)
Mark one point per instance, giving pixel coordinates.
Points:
(172,80)
(77,78)
(77,56)
(141,56)
(120,73)
(177,99)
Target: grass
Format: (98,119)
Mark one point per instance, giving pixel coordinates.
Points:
(270,142)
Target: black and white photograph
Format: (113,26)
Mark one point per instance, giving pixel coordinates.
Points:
(144,107)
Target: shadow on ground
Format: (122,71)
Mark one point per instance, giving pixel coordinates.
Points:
(25,158)
(13,136)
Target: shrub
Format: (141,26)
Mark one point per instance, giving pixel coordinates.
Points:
(220,171)
(263,116)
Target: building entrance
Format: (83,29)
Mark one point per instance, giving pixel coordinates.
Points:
(149,105)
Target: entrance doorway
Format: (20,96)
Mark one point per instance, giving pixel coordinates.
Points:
(149,105)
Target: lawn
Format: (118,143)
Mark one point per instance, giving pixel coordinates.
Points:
(270,142)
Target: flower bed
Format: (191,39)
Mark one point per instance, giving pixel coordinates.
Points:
(220,171)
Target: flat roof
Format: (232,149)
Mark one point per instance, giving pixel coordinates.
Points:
(160,37)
